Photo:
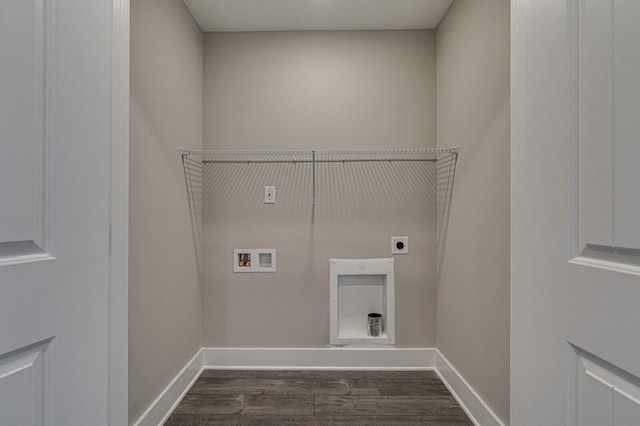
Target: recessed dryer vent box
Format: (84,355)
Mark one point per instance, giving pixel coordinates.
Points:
(357,288)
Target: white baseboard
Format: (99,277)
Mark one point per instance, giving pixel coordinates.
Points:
(477,410)
(163,406)
(369,358)
(343,358)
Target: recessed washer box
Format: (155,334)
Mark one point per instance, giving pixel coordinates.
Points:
(243,260)
(254,260)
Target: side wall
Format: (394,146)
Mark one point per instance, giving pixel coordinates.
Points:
(324,90)
(165,327)
(472,62)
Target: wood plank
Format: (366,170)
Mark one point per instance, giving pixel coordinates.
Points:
(277,404)
(210,404)
(264,420)
(202,420)
(394,387)
(386,406)
(271,420)
(400,421)
(208,386)
(363,387)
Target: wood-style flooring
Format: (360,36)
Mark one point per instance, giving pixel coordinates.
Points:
(313,397)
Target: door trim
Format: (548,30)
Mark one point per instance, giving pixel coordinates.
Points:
(119,217)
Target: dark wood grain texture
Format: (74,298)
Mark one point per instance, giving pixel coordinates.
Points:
(316,397)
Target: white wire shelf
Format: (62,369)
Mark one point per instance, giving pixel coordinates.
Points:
(317,156)
(204,157)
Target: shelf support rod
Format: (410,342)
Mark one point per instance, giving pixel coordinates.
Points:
(313,159)
(344,160)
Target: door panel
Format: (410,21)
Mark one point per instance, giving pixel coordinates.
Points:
(594,401)
(607,104)
(575,268)
(23,386)
(626,409)
(626,92)
(606,395)
(56,294)
(595,108)
(22,109)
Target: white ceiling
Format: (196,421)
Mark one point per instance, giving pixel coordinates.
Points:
(301,15)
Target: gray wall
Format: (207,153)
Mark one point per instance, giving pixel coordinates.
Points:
(165,315)
(472,44)
(320,90)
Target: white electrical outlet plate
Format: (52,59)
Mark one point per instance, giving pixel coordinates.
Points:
(399,245)
(269,194)
(243,260)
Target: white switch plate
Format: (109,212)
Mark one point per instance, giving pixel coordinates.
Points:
(399,245)
(269,194)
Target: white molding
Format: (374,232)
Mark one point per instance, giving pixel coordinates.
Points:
(606,265)
(160,410)
(119,216)
(352,358)
(345,358)
(28,258)
(475,407)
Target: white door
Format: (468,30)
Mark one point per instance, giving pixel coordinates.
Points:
(575,213)
(62,214)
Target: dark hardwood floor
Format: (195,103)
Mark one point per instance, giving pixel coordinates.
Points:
(313,397)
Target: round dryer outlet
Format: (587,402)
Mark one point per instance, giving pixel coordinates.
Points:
(399,245)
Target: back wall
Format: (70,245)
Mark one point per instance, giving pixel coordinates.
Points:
(323,90)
